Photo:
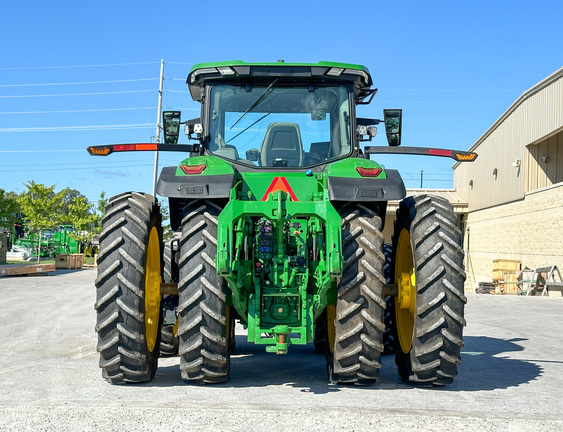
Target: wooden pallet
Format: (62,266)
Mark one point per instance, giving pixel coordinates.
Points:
(20,270)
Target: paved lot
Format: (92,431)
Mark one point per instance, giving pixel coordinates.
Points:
(511,378)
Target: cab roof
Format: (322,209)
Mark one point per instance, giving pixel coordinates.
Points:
(237,71)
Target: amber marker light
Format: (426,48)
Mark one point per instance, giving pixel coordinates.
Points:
(465,156)
(96,151)
(192,169)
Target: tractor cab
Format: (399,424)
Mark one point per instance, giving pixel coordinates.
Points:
(278,116)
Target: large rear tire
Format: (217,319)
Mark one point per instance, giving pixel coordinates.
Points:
(428,311)
(204,321)
(355,327)
(128,288)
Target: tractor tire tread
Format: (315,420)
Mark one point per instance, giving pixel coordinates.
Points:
(120,324)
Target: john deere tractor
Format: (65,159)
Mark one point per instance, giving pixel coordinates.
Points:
(278,213)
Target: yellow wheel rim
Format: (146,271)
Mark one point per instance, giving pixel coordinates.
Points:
(152,289)
(330,330)
(406,298)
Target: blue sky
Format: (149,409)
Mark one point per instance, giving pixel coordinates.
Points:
(74,74)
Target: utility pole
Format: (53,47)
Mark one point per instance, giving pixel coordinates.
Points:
(159,116)
(421,176)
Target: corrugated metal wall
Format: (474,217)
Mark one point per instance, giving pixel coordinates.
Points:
(495,177)
(544,163)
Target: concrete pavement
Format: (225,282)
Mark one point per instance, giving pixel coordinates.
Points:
(511,377)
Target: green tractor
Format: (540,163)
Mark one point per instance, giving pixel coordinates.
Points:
(279,215)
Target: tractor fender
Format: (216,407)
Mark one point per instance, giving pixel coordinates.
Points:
(193,187)
(367,189)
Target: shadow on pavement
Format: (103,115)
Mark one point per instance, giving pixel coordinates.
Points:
(483,368)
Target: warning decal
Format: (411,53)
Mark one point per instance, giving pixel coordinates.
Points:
(279,184)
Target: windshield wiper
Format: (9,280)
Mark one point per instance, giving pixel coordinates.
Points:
(263,96)
(248,127)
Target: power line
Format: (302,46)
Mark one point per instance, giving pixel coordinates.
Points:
(77,128)
(77,66)
(76,111)
(82,169)
(79,94)
(450,90)
(78,83)
(39,151)
(104,162)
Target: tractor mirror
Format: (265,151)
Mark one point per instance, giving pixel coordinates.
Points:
(252,155)
(392,118)
(171,126)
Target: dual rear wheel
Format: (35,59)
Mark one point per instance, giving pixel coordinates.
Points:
(424,322)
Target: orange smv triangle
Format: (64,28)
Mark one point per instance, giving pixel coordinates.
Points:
(279,184)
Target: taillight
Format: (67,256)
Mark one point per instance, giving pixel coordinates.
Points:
(192,169)
(439,152)
(133,147)
(369,172)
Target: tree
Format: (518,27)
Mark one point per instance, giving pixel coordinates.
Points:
(10,212)
(102,203)
(78,212)
(41,207)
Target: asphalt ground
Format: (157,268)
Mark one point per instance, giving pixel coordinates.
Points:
(510,379)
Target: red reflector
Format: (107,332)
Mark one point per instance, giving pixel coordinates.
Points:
(123,147)
(192,169)
(438,152)
(369,172)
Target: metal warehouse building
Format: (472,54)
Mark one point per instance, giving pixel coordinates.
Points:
(514,190)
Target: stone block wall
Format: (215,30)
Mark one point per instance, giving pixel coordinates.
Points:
(529,230)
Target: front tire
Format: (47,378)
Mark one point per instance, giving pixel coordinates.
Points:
(128,288)
(428,311)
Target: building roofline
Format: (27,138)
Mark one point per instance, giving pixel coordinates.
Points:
(546,82)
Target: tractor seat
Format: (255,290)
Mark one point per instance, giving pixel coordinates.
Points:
(282,143)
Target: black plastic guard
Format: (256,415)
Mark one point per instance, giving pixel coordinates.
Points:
(367,189)
(193,187)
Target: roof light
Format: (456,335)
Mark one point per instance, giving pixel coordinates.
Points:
(226,71)
(203,71)
(369,172)
(335,71)
(193,169)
